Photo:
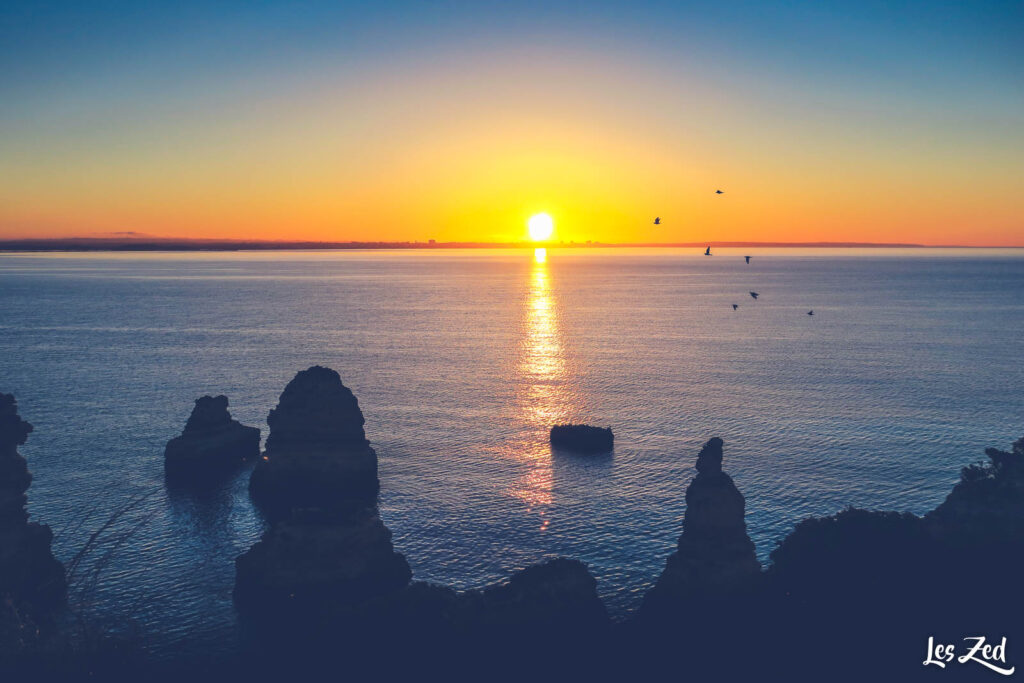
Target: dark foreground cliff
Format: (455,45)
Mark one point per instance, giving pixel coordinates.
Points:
(326,594)
(32,585)
(853,595)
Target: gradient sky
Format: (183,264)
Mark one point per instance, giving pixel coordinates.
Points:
(834,121)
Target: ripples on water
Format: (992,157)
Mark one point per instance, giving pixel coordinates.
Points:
(462,359)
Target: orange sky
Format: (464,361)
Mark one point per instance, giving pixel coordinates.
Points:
(465,144)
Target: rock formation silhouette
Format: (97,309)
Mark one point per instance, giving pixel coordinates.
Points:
(859,563)
(557,597)
(987,506)
(327,551)
(32,582)
(328,559)
(326,578)
(212,442)
(582,438)
(896,575)
(317,455)
(320,564)
(714,555)
(854,557)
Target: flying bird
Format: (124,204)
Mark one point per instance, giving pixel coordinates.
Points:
(748,258)
(719,192)
(754,294)
(708,252)
(810,312)
(657,220)
(735,306)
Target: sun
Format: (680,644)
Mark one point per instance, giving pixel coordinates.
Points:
(541,226)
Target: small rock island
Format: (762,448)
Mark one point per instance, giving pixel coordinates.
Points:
(582,438)
(211,442)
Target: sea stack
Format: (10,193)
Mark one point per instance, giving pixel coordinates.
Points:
(714,556)
(32,583)
(317,455)
(582,438)
(327,551)
(212,442)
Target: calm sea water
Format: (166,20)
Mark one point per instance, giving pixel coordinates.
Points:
(461,360)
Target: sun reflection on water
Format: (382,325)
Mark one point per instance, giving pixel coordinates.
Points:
(542,398)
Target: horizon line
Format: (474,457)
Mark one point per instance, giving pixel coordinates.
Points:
(75,244)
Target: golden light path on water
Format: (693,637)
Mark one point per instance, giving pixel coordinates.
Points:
(542,397)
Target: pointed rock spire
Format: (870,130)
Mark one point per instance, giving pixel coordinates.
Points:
(714,555)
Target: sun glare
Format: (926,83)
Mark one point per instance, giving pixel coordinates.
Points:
(541,226)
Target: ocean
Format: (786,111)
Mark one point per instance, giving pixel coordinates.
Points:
(462,359)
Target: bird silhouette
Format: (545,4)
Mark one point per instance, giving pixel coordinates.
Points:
(754,294)
(708,252)
(735,306)
(657,220)
(719,192)
(748,258)
(810,312)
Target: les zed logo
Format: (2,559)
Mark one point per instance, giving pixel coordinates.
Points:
(981,652)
